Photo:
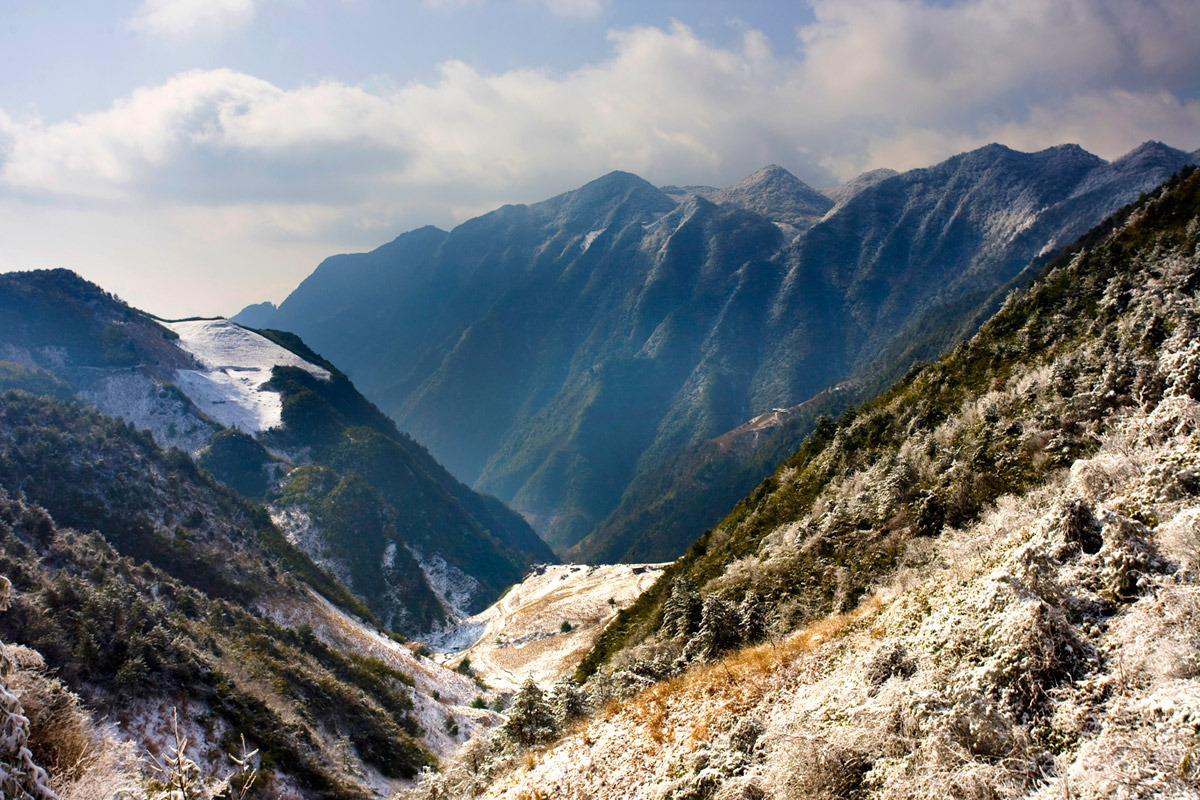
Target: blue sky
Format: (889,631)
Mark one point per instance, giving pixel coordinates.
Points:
(197,155)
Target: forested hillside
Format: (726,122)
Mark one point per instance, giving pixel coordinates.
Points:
(981,583)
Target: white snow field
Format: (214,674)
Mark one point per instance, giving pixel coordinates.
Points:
(521,634)
(237,363)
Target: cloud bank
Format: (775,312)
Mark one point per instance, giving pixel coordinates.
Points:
(869,83)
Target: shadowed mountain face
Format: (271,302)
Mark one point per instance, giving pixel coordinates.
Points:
(558,354)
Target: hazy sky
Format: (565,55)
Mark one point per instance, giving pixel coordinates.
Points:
(194,156)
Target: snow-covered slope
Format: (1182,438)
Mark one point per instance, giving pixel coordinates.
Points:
(237,363)
(521,634)
(920,691)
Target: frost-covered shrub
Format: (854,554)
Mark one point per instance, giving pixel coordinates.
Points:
(1129,558)
(980,726)
(809,768)
(745,735)
(1037,649)
(20,776)
(890,660)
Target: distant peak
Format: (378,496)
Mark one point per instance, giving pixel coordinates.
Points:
(617,188)
(773,170)
(422,233)
(772,173)
(777,195)
(1151,149)
(618,179)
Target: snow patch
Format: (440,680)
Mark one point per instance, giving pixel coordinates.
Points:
(455,588)
(521,634)
(591,237)
(237,362)
(142,401)
(303,533)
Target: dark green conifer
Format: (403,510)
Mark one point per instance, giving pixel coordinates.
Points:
(752,619)
(718,632)
(531,720)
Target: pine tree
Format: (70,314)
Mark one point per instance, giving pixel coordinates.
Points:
(568,702)
(752,619)
(530,719)
(681,612)
(718,632)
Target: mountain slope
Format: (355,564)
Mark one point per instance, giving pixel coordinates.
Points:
(666,508)
(148,586)
(284,406)
(982,583)
(556,354)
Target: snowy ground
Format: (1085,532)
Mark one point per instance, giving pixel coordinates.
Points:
(237,364)
(521,633)
(921,691)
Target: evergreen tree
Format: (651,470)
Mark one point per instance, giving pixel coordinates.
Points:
(530,720)
(752,618)
(568,702)
(718,632)
(681,612)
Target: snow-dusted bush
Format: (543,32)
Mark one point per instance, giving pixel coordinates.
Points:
(20,776)
(809,768)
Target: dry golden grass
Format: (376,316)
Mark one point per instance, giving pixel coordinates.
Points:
(737,683)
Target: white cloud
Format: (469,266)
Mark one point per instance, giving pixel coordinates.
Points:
(188,19)
(896,83)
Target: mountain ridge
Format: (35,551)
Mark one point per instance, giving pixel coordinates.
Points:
(661,326)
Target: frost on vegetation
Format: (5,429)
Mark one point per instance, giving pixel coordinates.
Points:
(19,775)
(50,747)
(455,588)
(1029,626)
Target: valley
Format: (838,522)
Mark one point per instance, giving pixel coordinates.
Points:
(583,385)
(945,563)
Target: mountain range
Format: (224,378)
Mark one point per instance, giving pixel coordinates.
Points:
(977,579)
(980,583)
(569,356)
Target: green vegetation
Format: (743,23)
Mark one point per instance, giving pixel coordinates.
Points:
(35,381)
(238,461)
(951,437)
(126,630)
(356,528)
